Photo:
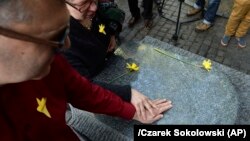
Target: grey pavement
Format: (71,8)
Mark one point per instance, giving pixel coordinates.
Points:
(206,44)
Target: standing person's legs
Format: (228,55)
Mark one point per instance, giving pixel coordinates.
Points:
(245,23)
(243,28)
(234,19)
(147,13)
(135,12)
(148,7)
(238,22)
(209,16)
(133,7)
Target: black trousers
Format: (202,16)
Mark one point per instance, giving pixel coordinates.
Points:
(135,10)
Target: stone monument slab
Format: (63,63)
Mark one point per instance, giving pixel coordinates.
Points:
(220,96)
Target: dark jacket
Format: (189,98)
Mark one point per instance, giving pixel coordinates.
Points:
(88,53)
(88,48)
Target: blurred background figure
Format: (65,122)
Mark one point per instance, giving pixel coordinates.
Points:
(135,13)
(238,23)
(209,15)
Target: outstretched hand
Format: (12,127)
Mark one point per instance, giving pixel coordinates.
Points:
(162,105)
(142,103)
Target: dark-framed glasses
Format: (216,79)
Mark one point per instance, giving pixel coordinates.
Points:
(58,43)
(81,7)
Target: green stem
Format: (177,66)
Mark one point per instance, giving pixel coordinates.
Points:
(118,77)
(165,53)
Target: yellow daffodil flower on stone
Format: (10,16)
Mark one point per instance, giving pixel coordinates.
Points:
(132,67)
(42,106)
(101,29)
(207,64)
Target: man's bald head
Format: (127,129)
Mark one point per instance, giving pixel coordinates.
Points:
(13,11)
(22,60)
(23,11)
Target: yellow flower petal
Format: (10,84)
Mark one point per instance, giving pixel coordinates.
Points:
(207,64)
(42,106)
(101,29)
(132,67)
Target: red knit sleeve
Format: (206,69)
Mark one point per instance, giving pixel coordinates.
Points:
(84,95)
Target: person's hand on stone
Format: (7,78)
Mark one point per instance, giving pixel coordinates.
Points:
(162,106)
(142,103)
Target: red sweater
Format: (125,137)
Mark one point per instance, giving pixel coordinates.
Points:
(20,118)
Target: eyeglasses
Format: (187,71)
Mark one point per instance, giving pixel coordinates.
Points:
(82,7)
(59,43)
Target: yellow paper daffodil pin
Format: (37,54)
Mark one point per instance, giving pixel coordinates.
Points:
(101,29)
(42,106)
(207,64)
(132,67)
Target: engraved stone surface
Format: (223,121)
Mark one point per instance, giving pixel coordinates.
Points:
(199,97)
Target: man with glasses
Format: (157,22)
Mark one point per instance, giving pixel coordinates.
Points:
(36,84)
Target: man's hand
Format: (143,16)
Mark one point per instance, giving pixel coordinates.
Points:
(112,44)
(162,106)
(142,103)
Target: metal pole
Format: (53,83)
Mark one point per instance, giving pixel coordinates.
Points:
(160,7)
(175,36)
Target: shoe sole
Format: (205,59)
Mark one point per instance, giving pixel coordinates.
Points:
(239,46)
(199,31)
(149,25)
(223,44)
(134,23)
(189,15)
